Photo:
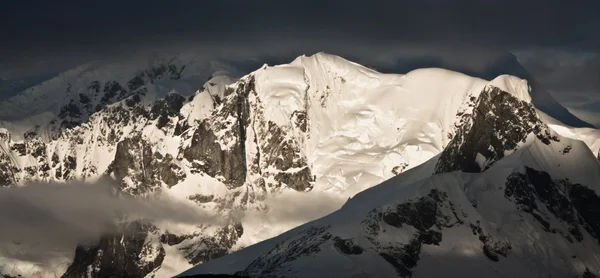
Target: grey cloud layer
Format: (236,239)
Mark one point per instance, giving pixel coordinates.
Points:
(49,219)
(39,30)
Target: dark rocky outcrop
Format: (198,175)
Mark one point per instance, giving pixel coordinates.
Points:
(298,180)
(19,148)
(7,171)
(347,246)
(205,248)
(572,204)
(229,163)
(284,155)
(127,254)
(165,108)
(491,248)
(588,274)
(201,199)
(134,160)
(498,124)
(172,239)
(424,214)
(205,148)
(429,215)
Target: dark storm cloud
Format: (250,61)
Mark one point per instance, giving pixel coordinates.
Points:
(39,31)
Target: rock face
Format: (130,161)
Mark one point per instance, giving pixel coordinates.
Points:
(499,123)
(133,253)
(574,205)
(224,156)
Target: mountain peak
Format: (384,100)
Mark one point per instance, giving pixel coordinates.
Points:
(514,85)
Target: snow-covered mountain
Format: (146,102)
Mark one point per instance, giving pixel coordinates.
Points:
(507,197)
(319,127)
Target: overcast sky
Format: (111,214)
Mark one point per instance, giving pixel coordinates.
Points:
(557,41)
(37,32)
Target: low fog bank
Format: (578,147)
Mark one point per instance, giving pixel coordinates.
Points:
(42,222)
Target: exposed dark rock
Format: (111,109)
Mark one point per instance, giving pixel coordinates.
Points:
(587,204)
(30,135)
(284,155)
(491,248)
(94,86)
(229,164)
(430,237)
(347,246)
(68,168)
(172,239)
(206,248)
(403,258)
(55,160)
(111,90)
(133,156)
(325,96)
(169,172)
(588,274)
(573,204)
(70,163)
(165,108)
(133,100)
(181,127)
(136,82)
(39,150)
(397,170)
(429,215)
(201,199)
(422,213)
(68,124)
(119,255)
(7,177)
(84,99)
(205,147)
(134,159)
(299,180)
(300,120)
(19,148)
(499,123)
(31,170)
